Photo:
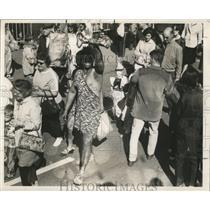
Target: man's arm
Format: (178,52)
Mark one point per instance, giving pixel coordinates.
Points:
(179,60)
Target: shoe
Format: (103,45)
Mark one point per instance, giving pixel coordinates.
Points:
(181,184)
(78,180)
(150,157)
(131,163)
(68,150)
(35,183)
(57,141)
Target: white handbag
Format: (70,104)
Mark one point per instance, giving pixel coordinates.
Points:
(104,127)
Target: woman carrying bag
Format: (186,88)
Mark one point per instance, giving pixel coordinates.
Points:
(28,120)
(46,89)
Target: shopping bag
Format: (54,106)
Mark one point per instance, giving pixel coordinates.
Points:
(31,142)
(105,126)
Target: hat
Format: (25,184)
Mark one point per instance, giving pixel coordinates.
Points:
(119,67)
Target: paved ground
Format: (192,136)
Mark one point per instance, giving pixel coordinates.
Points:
(110,162)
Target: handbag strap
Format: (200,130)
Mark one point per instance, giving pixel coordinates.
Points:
(47,97)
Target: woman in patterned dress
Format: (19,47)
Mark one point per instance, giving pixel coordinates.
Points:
(86,93)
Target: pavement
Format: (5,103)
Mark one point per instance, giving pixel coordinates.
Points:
(109,165)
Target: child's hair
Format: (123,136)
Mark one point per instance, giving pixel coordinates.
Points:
(9,108)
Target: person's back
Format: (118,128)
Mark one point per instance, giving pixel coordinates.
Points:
(152,83)
(192,104)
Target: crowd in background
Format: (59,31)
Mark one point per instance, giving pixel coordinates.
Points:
(63,69)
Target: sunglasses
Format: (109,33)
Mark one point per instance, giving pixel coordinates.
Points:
(40,62)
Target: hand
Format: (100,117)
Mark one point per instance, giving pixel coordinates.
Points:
(34,93)
(17,127)
(102,110)
(65,116)
(176,80)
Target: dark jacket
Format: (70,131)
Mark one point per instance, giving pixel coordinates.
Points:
(189,125)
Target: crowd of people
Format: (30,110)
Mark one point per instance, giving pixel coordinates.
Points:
(63,69)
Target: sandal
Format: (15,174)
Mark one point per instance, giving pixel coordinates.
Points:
(78,179)
(68,150)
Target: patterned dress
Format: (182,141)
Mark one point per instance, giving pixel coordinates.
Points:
(87,106)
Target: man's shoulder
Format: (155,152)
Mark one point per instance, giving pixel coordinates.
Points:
(176,45)
(157,71)
(152,70)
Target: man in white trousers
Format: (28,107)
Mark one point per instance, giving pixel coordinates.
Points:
(153,83)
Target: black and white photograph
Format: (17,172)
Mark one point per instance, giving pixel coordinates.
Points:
(103,105)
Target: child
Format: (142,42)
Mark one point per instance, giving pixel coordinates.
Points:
(9,141)
(29,57)
(117,84)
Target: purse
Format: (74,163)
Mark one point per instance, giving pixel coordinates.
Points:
(31,142)
(104,127)
(49,106)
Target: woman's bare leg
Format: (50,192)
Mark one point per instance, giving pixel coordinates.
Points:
(85,157)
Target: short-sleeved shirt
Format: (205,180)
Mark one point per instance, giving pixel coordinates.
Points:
(47,80)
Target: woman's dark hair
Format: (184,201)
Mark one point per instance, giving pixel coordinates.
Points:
(157,55)
(24,86)
(85,55)
(74,26)
(45,58)
(84,25)
(148,31)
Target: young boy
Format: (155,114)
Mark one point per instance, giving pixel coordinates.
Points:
(9,141)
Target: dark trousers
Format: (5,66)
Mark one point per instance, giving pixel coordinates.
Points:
(188,146)
(28,175)
(52,123)
(61,72)
(180,161)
